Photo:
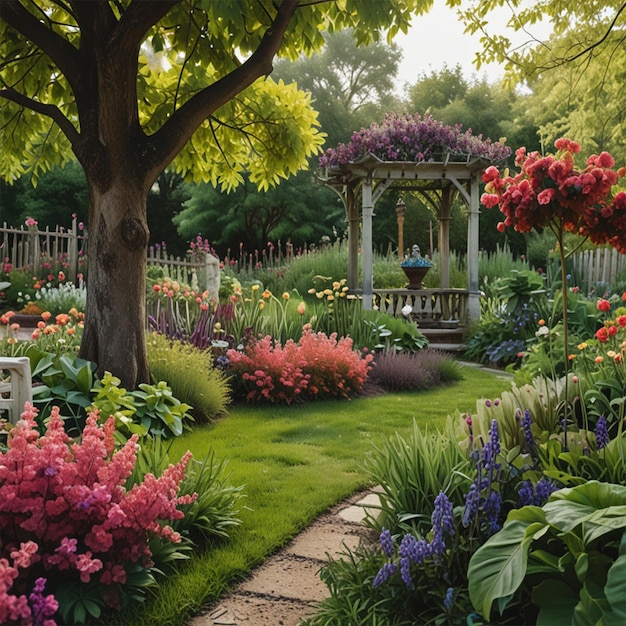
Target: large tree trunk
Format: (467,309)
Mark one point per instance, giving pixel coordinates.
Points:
(114,335)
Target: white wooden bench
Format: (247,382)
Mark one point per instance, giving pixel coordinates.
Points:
(15,386)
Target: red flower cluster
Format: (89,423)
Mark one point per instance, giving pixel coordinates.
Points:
(67,501)
(549,190)
(316,366)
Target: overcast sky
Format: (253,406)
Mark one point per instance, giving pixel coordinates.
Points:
(437,38)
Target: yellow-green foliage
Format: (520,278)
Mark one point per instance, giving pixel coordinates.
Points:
(190,374)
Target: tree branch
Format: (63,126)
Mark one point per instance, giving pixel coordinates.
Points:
(139,18)
(167,142)
(64,55)
(48,110)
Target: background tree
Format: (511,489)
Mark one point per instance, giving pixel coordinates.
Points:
(296,211)
(130,87)
(580,102)
(595,26)
(59,194)
(165,201)
(350,85)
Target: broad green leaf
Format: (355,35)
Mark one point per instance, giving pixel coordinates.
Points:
(498,567)
(615,588)
(556,601)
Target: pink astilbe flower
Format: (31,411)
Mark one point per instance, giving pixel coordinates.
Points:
(64,506)
(316,366)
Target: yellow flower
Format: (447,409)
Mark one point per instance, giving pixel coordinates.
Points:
(261,305)
(582,346)
(328,292)
(311,291)
(331,297)
(285,296)
(611,354)
(336,285)
(255,287)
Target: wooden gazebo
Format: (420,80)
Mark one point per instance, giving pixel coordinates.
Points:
(366,179)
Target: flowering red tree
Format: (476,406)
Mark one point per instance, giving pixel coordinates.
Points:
(550,192)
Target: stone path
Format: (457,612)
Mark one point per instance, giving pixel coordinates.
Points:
(285,588)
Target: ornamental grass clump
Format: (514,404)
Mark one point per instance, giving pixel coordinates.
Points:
(317,366)
(69,523)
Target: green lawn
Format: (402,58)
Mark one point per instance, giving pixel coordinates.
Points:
(295,463)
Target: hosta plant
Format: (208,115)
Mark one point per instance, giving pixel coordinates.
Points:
(567,557)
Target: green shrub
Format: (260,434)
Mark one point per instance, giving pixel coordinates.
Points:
(149,409)
(412,471)
(400,371)
(191,375)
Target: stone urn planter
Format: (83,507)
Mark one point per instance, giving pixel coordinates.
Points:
(416,276)
(415,267)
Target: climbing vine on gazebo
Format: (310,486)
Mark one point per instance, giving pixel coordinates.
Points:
(415,138)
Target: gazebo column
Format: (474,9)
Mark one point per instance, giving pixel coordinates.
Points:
(444,238)
(353,239)
(368,244)
(473,307)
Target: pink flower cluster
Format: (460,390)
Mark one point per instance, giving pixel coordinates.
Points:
(20,609)
(316,366)
(64,508)
(549,189)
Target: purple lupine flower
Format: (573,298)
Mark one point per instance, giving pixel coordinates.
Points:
(472,500)
(443,518)
(526,493)
(494,437)
(405,572)
(602,432)
(492,509)
(543,489)
(384,574)
(528,434)
(448,601)
(386,542)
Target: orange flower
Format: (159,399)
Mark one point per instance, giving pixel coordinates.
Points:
(541,322)
(35,334)
(301,308)
(599,359)
(267,294)
(71,331)
(4,319)
(41,325)
(46,315)
(62,319)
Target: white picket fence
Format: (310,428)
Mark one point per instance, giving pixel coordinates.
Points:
(601,266)
(66,249)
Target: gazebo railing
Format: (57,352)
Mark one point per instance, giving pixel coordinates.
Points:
(436,307)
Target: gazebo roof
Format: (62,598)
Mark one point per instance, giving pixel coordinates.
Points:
(460,167)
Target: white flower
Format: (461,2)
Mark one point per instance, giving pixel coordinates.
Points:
(407,309)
